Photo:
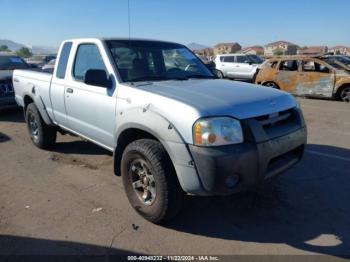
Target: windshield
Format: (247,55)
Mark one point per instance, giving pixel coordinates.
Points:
(333,62)
(151,61)
(344,59)
(12,62)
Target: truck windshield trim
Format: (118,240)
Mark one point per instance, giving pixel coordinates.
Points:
(139,60)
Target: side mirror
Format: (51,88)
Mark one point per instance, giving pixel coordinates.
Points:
(212,67)
(97,77)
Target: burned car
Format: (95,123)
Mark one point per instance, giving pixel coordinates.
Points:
(305,76)
(8,63)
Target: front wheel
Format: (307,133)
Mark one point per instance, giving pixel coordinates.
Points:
(42,135)
(150,181)
(219,74)
(271,84)
(345,94)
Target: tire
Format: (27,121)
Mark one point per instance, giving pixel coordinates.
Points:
(344,94)
(42,135)
(219,74)
(271,84)
(150,181)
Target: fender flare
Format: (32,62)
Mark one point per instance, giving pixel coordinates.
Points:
(149,120)
(39,103)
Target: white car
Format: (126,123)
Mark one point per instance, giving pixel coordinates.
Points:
(237,66)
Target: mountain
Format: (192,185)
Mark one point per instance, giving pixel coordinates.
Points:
(44,50)
(13,46)
(195,46)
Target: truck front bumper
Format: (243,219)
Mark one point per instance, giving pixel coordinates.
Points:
(228,169)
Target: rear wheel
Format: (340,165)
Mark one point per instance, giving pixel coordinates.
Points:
(271,84)
(150,181)
(345,94)
(42,135)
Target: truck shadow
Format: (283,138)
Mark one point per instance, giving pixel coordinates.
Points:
(80,147)
(16,248)
(306,208)
(4,138)
(12,115)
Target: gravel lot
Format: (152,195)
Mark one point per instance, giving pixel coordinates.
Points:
(67,201)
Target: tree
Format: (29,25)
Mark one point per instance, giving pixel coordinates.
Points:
(4,48)
(24,52)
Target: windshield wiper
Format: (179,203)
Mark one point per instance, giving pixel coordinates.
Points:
(148,78)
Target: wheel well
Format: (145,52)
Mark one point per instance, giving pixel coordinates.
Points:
(340,88)
(124,139)
(27,100)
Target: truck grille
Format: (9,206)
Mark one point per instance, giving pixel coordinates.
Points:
(273,125)
(276,118)
(6,89)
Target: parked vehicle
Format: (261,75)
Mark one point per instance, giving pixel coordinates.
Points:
(40,60)
(172,127)
(305,76)
(237,66)
(49,67)
(8,63)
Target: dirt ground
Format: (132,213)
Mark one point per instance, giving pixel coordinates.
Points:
(67,201)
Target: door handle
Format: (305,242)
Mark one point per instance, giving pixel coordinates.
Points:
(69,90)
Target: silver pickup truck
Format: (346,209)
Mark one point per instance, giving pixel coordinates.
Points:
(172,127)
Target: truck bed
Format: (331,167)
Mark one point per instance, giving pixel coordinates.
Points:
(32,82)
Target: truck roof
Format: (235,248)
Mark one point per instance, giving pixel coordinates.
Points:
(118,38)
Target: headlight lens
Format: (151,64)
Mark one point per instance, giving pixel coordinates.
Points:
(217,131)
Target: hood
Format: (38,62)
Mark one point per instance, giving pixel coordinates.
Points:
(224,97)
(6,74)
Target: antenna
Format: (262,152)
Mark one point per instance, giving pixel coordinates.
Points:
(129,19)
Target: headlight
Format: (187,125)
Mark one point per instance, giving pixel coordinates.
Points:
(217,131)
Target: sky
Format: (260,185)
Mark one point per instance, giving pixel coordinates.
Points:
(249,22)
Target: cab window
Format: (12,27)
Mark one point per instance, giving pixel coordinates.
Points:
(88,57)
(289,65)
(229,59)
(312,66)
(242,59)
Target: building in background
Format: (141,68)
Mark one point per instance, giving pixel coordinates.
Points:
(280,48)
(340,50)
(313,50)
(207,52)
(227,48)
(253,50)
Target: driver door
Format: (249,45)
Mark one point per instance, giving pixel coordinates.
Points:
(90,109)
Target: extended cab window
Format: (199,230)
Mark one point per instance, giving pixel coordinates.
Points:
(312,66)
(88,57)
(289,65)
(62,63)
